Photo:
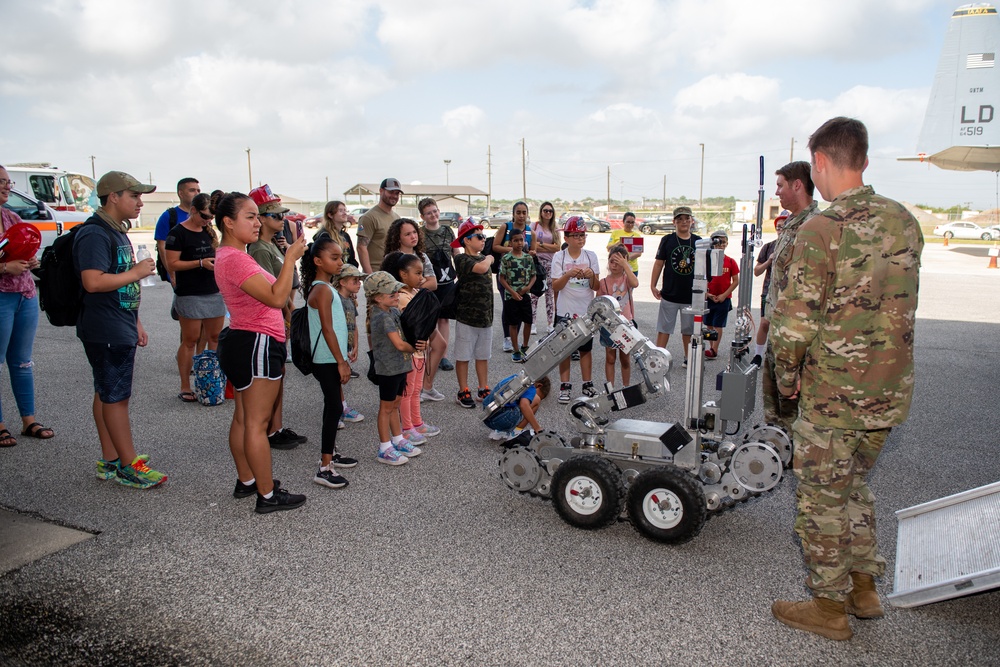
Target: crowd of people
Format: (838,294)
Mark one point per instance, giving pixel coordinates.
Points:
(836,353)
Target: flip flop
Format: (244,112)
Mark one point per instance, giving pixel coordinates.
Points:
(36,430)
(6,438)
(187,396)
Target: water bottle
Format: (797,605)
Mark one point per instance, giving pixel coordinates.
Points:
(141,254)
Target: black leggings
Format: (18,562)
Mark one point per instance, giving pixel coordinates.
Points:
(333,407)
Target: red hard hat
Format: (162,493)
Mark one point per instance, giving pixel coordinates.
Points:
(575,225)
(23,241)
(263,195)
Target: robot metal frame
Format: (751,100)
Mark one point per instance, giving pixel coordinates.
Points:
(665,476)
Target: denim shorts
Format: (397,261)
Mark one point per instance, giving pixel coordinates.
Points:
(113,366)
(718,313)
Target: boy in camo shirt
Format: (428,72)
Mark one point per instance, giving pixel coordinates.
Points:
(474,311)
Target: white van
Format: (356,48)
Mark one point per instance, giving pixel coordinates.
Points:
(48,221)
(60,189)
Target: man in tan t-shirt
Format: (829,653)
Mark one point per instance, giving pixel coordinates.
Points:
(374,224)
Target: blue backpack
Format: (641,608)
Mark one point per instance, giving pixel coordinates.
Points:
(209,381)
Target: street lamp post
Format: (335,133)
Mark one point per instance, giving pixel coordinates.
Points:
(701,182)
(447,181)
(249,170)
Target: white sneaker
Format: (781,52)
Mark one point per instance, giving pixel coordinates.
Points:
(431,394)
(507,345)
(500,435)
(534,330)
(341,425)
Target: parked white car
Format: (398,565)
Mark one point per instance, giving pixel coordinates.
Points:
(962,229)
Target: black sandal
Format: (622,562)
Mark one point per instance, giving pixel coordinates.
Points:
(36,430)
(7,438)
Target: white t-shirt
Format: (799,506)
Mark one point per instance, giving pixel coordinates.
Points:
(574,299)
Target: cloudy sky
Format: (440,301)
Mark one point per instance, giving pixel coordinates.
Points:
(356,90)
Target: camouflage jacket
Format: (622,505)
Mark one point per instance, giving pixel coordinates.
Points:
(782,253)
(845,313)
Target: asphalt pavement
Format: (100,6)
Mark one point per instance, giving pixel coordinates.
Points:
(438,561)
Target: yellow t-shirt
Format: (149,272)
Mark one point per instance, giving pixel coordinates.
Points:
(616,238)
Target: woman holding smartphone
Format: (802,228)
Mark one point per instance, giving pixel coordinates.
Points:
(252,349)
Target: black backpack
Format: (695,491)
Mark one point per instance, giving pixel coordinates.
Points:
(60,291)
(302,350)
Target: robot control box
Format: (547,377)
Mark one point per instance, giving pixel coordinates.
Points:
(739,394)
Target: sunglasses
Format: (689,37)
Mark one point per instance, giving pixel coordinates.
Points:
(205,215)
(275,216)
(476,236)
(576,236)
(548,210)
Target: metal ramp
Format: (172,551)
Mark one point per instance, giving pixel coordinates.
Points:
(948,548)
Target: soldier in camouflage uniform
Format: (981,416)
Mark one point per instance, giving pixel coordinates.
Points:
(842,335)
(795,192)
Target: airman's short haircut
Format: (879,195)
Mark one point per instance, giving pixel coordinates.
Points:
(844,141)
(798,171)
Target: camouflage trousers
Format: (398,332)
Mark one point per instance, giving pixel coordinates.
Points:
(778,410)
(836,509)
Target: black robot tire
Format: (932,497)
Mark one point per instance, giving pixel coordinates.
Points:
(588,492)
(666,505)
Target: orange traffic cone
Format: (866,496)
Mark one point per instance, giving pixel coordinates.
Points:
(993,261)
(946,242)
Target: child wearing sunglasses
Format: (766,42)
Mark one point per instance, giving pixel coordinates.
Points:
(474,312)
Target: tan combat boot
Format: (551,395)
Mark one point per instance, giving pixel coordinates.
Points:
(863,600)
(820,615)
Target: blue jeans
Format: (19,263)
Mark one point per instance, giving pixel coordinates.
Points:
(18,322)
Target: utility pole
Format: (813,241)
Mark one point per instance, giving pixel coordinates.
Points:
(664,191)
(447,180)
(791,151)
(249,170)
(150,178)
(328,188)
(524,181)
(609,189)
(93,171)
(489,177)
(701,183)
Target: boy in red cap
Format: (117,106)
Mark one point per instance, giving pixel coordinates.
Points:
(474,313)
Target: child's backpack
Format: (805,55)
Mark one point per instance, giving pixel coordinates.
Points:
(59,288)
(303,348)
(209,381)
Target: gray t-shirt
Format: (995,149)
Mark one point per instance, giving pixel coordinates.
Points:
(388,360)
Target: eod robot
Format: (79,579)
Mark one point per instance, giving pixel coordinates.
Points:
(667,476)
